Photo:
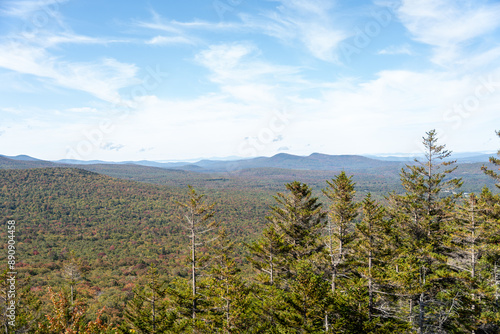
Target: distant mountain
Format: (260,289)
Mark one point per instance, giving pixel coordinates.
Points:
(269,173)
(85,162)
(392,158)
(315,161)
(463,157)
(140,163)
(474,158)
(21,157)
(24,162)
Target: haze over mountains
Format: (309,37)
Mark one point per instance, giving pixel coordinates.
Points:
(315,161)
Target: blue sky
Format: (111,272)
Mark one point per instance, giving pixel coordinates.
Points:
(172,80)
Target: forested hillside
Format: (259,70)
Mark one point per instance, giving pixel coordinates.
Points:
(115,228)
(95,254)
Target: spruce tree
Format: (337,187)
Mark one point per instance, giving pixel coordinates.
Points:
(229,299)
(340,224)
(267,255)
(369,246)
(148,311)
(298,220)
(306,303)
(419,214)
(291,237)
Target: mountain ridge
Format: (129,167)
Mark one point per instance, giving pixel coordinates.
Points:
(314,161)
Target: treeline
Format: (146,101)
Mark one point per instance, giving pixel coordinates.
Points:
(424,261)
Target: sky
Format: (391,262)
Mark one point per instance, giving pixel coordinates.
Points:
(172,80)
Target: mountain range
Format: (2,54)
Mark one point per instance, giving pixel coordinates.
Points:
(315,161)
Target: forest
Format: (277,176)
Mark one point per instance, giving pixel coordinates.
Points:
(97,254)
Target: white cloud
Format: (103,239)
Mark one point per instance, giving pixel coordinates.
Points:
(239,63)
(394,110)
(223,59)
(25,8)
(447,25)
(404,49)
(101,78)
(387,114)
(178,27)
(168,40)
(390,109)
(51,40)
(305,21)
(35,15)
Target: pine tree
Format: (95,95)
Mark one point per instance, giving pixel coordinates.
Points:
(229,299)
(267,255)
(307,302)
(488,265)
(148,311)
(298,220)
(292,236)
(469,229)
(340,225)
(419,215)
(370,244)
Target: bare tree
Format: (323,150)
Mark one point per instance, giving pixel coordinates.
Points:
(198,222)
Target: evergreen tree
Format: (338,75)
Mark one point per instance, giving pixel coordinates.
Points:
(419,215)
(229,299)
(340,224)
(369,247)
(148,311)
(488,264)
(306,303)
(298,220)
(292,236)
(267,255)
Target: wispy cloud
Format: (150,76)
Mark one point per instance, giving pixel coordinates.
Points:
(175,32)
(242,74)
(308,22)
(47,39)
(111,147)
(448,25)
(404,49)
(35,15)
(239,62)
(25,8)
(168,40)
(101,78)
(28,52)
(160,23)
